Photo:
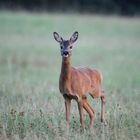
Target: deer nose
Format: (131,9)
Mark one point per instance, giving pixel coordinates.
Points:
(65,52)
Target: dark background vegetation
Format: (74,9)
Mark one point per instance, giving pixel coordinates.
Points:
(120,7)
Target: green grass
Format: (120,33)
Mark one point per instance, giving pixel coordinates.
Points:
(31,106)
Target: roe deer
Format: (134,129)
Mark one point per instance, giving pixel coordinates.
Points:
(77,83)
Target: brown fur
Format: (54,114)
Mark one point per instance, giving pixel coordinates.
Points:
(77,83)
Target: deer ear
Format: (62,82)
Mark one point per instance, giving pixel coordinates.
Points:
(57,37)
(74,37)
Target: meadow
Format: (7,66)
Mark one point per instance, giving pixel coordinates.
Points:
(31,106)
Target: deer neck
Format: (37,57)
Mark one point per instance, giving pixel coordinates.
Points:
(66,68)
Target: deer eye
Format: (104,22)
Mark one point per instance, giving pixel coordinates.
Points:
(61,47)
(70,47)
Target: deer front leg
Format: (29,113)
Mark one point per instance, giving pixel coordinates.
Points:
(67,108)
(80,108)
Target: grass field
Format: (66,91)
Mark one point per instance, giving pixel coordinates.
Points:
(31,106)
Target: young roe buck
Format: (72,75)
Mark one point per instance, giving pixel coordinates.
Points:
(77,83)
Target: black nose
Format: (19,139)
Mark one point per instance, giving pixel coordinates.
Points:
(65,52)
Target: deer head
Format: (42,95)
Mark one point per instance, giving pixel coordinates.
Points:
(66,45)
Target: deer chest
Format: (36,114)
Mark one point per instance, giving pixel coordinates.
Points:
(64,86)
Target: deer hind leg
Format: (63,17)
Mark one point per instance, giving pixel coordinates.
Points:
(102,97)
(102,106)
(89,110)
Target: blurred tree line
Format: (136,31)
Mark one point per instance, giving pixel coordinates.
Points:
(122,7)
